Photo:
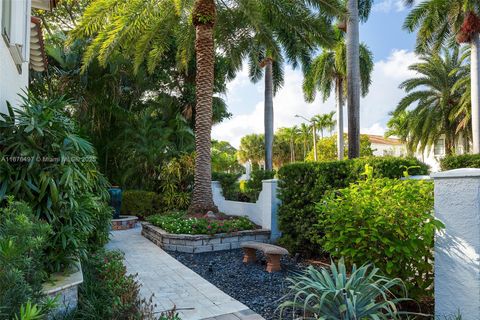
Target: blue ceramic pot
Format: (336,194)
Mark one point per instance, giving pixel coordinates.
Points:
(115,200)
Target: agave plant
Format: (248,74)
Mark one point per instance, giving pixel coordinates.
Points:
(341,295)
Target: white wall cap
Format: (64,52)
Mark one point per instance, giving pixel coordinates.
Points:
(270,181)
(457,173)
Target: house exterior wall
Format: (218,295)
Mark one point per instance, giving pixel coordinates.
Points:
(432,157)
(381,150)
(12,81)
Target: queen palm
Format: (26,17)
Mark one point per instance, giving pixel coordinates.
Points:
(436,96)
(146,30)
(439,21)
(328,73)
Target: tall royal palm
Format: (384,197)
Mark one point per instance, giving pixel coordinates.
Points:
(283,31)
(431,101)
(358,10)
(328,73)
(439,21)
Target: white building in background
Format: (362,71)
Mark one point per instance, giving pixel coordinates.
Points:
(21,46)
(395,147)
(433,156)
(382,146)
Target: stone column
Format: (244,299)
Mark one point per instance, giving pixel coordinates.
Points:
(269,205)
(457,247)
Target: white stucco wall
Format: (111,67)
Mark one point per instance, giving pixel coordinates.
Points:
(11,81)
(263,212)
(457,247)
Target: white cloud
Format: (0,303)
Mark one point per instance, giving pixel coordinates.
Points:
(377,128)
(383,97)
(387,6)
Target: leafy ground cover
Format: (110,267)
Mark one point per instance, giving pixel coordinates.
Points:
(181,223)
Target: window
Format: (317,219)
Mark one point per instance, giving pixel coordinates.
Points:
(439,148)
(7,20)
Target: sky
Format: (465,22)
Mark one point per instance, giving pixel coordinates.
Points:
(393,53)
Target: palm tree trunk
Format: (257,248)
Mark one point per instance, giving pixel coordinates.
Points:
(315,156)
(268,115)
(353,80)
(204,21)
(304,148)
(475,83)
(339,96)
(293,151)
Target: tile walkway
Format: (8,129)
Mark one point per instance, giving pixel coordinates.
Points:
(173,284)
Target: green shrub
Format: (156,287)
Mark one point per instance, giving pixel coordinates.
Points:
(176,183)
(179,223)
(460,161)
(49,166)
(22,239)
(337,294)
(387,222)
(141,203)
(228,181)
(108,292)
(304,184)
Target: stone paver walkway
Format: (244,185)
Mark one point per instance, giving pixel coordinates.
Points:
(173,284)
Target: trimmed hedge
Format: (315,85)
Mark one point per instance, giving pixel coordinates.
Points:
(141,203)
(303,184)
(460,161)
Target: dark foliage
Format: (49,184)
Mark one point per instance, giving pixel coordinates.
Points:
(51,167)
(461,161)
(141,203)
(22,239)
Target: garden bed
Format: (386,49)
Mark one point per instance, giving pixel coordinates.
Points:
(249,284)
(201,243)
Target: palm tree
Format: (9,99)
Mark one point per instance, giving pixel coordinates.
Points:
(292,135)
(203,17)
(324,122)
(304,135)
(147,30)
(328,72)
(288,32)
(356,14)
(440,21)
(436,96)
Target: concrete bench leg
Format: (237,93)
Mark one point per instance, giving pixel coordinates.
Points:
(273,262)
(250,255)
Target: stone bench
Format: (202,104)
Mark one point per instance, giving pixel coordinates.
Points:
(272,252)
